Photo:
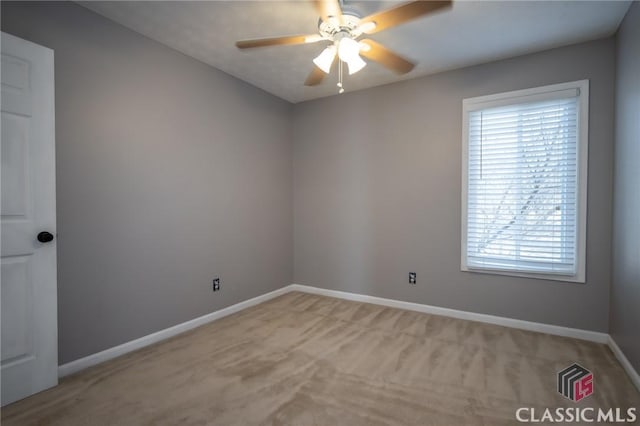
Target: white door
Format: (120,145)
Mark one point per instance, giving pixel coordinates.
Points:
(28,280)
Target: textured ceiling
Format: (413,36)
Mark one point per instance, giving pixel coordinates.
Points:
(472,32)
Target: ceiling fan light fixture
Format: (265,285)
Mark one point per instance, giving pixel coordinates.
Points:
(342,25)
(325,59)
(355,65)
(348,49)
(349,52)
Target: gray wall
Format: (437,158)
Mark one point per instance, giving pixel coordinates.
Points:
(377,182)
(168,172)
(625,290)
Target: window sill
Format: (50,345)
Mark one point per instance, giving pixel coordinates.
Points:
(578,278)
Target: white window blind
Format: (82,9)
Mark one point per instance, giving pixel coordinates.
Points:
(522,200)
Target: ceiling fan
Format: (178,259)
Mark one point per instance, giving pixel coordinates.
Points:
(342,27)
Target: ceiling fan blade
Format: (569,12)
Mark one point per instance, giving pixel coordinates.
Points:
(315,77)
(400,14)
(278,41)
(329,8)
(377,52)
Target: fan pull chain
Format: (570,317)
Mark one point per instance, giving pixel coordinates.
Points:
(341,89)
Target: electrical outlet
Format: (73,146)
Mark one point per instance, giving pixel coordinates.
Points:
(412,277)
(216,284)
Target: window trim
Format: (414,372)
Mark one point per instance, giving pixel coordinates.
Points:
(523,96)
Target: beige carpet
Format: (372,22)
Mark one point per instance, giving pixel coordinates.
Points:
(309,360)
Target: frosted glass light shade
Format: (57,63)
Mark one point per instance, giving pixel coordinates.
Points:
(348,49)
(325,59)
(356,64)
(349,52)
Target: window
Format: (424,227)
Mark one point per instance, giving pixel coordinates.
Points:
(524,182)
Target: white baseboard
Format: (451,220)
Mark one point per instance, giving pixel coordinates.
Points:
(116,351)
(557,330)
(593,336)
(633,374)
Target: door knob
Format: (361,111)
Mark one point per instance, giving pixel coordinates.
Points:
(45,237)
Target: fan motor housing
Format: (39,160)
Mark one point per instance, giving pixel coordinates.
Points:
(333,25)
